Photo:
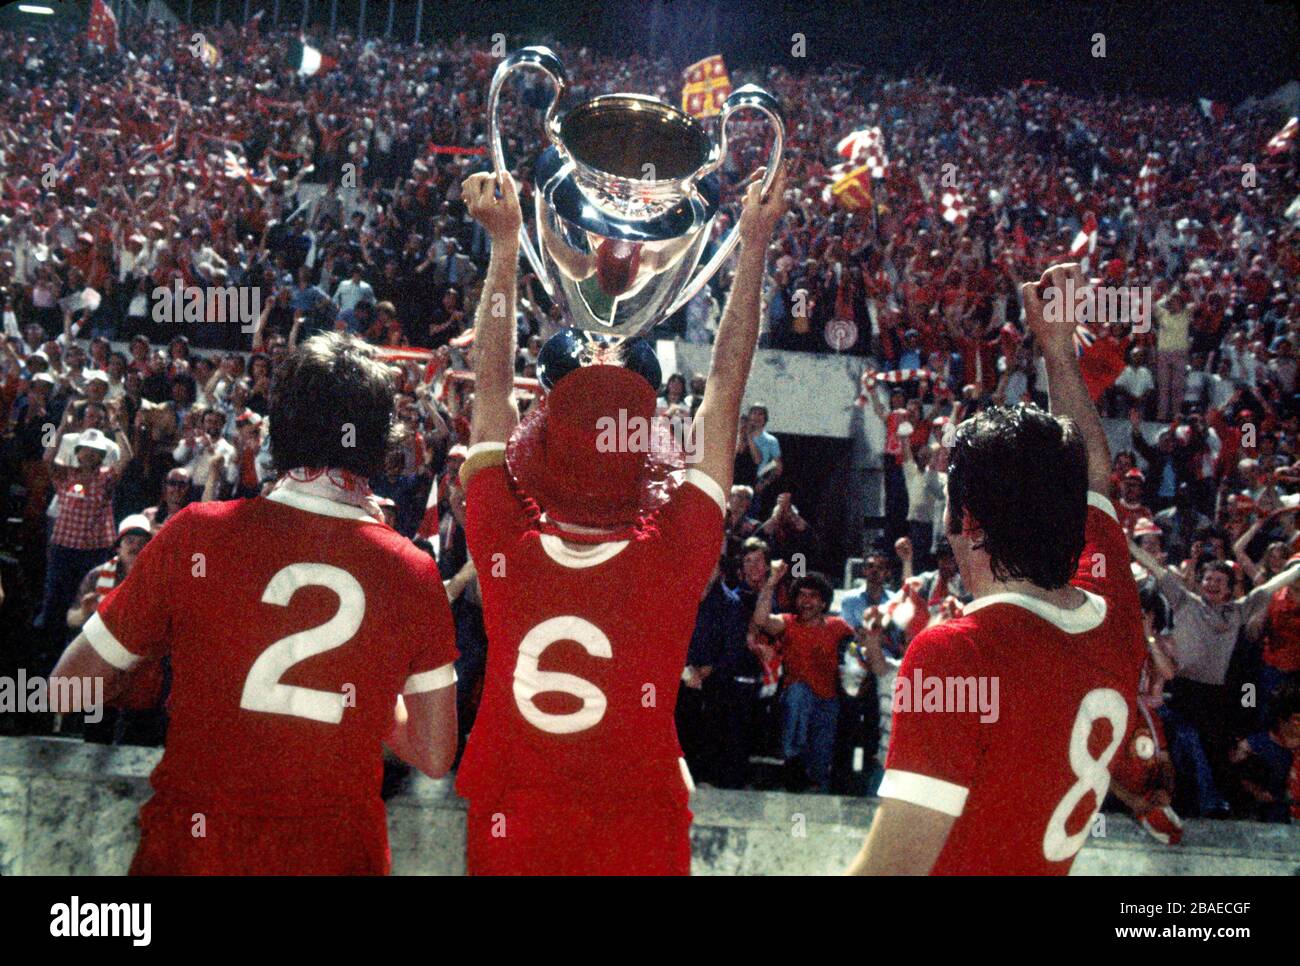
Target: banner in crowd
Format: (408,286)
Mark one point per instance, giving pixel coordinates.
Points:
(308,61)
(853,189)
(706,88)
(953,208)
(102,27)
(865,147)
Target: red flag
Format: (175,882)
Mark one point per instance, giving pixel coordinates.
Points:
(1101,360)
(102,27)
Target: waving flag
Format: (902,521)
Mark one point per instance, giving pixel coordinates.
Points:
(706,86)
(102,27)
(1281,142)
(1148,181)
(953,208)
(1213,110)
(1085,243)
(1100,360)
(852,189)
(867,148)
(308,61)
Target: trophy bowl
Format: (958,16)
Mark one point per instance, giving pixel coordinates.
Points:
(625,199)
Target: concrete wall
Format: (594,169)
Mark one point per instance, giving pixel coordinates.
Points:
(70,809)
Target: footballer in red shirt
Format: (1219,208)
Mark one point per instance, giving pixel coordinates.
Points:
(592,560)
(1008,719)
(303,633)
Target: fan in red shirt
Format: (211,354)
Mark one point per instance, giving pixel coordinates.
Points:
(1007,719)
(810,660)
(1130,508)
(303,633)
(592,560)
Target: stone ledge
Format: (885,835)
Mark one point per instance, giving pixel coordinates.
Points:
(67,808)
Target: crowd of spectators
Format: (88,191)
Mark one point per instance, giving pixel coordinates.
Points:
(127,178)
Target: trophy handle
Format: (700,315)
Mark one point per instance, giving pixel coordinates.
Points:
(753,98)
(544,60)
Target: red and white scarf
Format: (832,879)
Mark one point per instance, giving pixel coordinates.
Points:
(336,485)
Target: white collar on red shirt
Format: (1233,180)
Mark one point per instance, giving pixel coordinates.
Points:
(329,492)
(1088,616)
(577,556)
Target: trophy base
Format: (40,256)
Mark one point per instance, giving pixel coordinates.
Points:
(571,349)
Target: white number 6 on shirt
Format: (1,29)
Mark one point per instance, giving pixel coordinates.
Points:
(530,682)
(262,688)
(1093,773)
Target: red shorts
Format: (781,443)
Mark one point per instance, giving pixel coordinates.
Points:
(187,839)
(538,834)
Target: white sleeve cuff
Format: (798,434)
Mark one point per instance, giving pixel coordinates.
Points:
(1103,504)
(932,793)
(709,485)
(487,446)
(440,677)
(106,645)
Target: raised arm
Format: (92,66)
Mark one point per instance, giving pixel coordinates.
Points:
(1067,394)
(495,413)
(763,618)
(733,350)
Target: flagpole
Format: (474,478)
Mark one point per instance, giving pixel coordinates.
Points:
(419,18)
(388,31)
(361,22)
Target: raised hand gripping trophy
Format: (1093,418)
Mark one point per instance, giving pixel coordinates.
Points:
(625,203)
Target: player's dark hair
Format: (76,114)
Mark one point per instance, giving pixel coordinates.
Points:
(1022,475)
(815,582)
(331,406)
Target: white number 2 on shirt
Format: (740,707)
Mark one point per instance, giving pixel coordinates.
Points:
(262,688)
(1093,773)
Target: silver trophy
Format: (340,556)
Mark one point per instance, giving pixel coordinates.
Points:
(624,205)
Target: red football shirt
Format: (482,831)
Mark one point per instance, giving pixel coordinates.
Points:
(810,653)
(1023,776)
(586,646)
(292,622)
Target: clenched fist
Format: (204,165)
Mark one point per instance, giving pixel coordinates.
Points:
(500,216)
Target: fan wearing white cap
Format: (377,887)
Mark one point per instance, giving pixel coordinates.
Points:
(83,534)
(133,532)
(85,415)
